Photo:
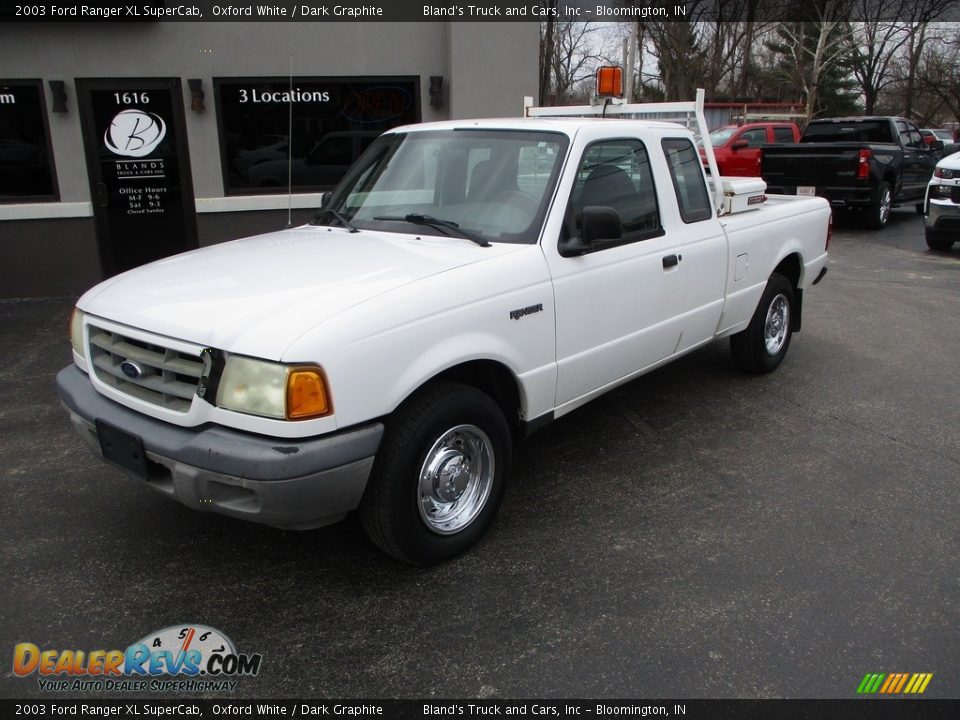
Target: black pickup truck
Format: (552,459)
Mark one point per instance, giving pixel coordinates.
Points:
(870,164)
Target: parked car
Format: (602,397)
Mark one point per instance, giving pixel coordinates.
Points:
(930,136)
(737,147)
(448,299)
(869,164)
(941,216)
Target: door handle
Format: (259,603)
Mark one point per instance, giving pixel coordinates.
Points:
(102,198)
(670,261)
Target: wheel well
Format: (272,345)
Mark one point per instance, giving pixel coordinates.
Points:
(790,268)
(892,180)
(493,378)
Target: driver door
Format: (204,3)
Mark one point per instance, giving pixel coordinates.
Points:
(619,306)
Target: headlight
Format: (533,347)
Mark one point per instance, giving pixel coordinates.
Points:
(76,333)
(941,191)
(944,173)
(270,389)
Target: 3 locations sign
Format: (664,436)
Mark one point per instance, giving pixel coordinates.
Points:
(305,130)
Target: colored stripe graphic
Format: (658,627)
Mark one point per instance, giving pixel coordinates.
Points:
(894,683)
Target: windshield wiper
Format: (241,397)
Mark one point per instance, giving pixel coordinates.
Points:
(338,217)
(416,219)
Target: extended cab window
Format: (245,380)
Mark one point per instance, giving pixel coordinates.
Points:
(783,135)
(616,173)
(687,175)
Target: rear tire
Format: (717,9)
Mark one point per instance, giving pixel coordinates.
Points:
(763,345)
(878,213)
(439,475)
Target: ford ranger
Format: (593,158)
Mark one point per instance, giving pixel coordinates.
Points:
(466,283)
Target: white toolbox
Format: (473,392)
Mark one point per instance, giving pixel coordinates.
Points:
(742,193)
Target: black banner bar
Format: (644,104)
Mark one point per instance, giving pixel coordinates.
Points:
(456,10)
(854,709)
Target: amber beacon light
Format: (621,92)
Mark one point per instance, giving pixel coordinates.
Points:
(609,81)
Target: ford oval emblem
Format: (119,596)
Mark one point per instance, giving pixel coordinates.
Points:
(131,369)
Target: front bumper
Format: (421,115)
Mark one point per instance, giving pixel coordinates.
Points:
(942,218)
(296,484)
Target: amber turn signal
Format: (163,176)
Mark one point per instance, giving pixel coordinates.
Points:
(306,394)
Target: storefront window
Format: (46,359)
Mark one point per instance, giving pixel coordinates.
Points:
(26,165)
(333,121)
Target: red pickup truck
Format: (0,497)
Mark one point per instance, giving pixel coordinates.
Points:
(737,147)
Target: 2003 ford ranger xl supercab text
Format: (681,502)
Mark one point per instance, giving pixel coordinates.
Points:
(465,283)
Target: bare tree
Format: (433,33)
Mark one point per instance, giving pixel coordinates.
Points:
(876,45)
(921,16)
(813,48)
(940,82)
(711,48)
(679,50)
(546,49)
(578,48)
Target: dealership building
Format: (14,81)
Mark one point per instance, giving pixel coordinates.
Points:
(121,143)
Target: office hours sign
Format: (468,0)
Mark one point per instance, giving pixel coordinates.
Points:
(139,169)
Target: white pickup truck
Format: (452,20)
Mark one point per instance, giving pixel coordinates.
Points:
(466,283)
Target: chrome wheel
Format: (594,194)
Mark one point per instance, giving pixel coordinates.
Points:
(776,325)
(885,204)
(455,479)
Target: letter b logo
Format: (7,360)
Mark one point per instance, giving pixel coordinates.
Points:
(134,133)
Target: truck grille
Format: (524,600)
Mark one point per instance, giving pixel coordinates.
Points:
(155,374)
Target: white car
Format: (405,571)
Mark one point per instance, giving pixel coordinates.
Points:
(466,283)
(941,208)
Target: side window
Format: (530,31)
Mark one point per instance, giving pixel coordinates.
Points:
(616,173)
(783,135)
(903,132)
(915,138)
(755,137)
(687,175)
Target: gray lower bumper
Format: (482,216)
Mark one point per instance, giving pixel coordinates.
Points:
(942,219)
(297,484)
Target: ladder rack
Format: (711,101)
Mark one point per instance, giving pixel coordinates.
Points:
(688,114)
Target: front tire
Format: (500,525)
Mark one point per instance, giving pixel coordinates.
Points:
(938,243)
(439,475)
(763,345)
(878,214)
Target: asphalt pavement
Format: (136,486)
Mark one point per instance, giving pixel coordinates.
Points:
(696,533)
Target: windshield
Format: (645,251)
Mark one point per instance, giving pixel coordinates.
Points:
(492,184)
(945,135)
(719,137)
(863,131)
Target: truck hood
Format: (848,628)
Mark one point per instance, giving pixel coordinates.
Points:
(950,162)
(257,295)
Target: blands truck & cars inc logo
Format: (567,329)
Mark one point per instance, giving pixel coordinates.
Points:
(180,658)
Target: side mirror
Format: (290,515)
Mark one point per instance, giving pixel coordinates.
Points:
(598,223)
(740,145)
(936,145)
(325,198)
